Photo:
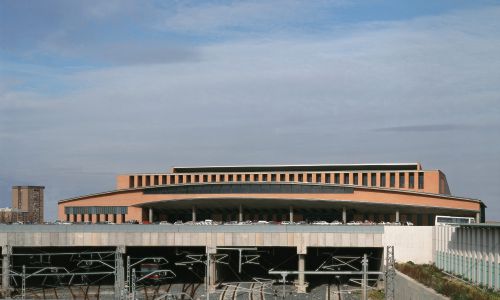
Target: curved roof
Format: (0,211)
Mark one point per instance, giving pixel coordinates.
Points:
(270,187)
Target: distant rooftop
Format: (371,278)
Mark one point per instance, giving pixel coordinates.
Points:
(301,168)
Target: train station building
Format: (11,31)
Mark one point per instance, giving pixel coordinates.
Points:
(392,192)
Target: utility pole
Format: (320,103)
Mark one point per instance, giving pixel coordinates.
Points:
(364,282)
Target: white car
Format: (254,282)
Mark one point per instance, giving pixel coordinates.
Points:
(262,222)
(336,223)
(286,223)
(320,223)
(165,223)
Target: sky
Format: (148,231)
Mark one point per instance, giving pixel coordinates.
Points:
(91,89)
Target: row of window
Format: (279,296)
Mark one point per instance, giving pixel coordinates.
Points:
(90,218)
(150,180)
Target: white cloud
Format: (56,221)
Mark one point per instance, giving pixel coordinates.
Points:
(295,99)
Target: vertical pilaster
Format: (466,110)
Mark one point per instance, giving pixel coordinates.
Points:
(193,214)
(291,214)
(344,215)
(240,215)
(150,215)
(397,215)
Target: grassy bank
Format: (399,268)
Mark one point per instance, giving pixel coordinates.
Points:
(455,289)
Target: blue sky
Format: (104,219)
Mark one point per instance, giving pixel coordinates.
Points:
(91,89)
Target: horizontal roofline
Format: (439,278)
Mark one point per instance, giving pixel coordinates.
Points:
(300,167)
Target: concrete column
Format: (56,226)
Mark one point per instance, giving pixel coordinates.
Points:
(301,284)
(291,214)
(150,215)
(193,214)
(212,268)
(397,216)
(478,217)
(344,215)
(240,215)
(6,251)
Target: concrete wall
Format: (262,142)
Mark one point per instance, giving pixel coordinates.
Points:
(411,243)
(300,237)
(406,288)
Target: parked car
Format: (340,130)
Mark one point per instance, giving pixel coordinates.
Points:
(165,223)
(320,223)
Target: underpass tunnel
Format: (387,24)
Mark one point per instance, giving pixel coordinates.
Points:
(92,266)
(255,263)
(167,265)
(341,259)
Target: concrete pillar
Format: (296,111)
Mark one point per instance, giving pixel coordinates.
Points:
(212,268)
(397,216)
(301,284)
(193,214)
(491,258)
(478,217)
(240,215)
(496,251)
(6,251)
(150,215)
(291,214)
(344,215)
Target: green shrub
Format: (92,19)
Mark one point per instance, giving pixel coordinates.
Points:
(431,276)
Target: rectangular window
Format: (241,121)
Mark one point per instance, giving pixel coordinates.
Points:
(264,177)
(327,178)
(172,179)
(98,218)
(382,179)
(188,178)
(156,180)
(238,177)
(273,177)
(336,178)
(291,177)
(282,177)
(131,181)
(139,181)
(222,178)
(355,178)
(90,217)
(214,178)
(255,177)
(420,180)
(230,177)
(163,179)
(411,180)
(180,179)
(309,177)
(148,180)
(123,218)
(401,180)
(392,179)
(364,179)
(301,177)
(318,177)
(196,178)
(346,178)
(204,178)
(247,177)
(374,179)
